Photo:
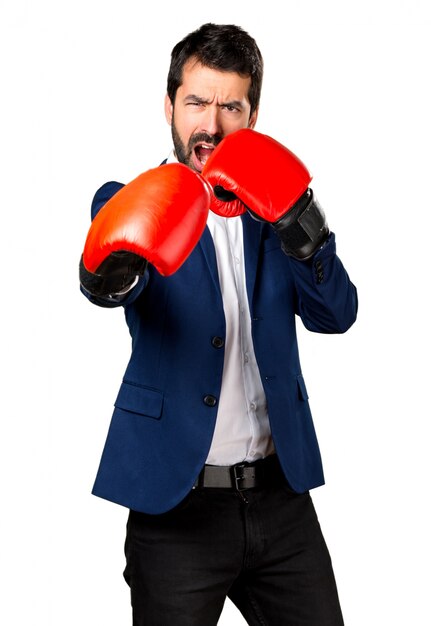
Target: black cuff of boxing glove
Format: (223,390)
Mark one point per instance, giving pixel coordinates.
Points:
(116,274)
(303,229)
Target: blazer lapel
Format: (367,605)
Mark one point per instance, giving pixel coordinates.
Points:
(207,246)
(252,233)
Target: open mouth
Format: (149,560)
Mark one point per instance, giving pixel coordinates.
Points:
(201,154)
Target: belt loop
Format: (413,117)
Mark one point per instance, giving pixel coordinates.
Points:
(199,479)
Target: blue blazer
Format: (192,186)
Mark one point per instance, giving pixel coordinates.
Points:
(166,408)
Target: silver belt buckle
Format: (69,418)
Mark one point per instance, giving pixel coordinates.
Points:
(238,474)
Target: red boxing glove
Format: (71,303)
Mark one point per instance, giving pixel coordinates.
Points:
(158,217)
(251,171)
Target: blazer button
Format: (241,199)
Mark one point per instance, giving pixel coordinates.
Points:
(217,342)
(210,400)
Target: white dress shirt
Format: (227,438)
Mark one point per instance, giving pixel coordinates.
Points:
(242,431)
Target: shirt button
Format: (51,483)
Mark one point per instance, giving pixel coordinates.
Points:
(210,400)
(217,342)
(252,406)
(246,359)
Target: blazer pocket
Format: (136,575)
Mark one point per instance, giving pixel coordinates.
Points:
(140,400)
(302,389)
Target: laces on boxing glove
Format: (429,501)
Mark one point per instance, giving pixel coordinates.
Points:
(224,194)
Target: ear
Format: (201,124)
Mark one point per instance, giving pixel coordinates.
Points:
(253,119)
(169,109)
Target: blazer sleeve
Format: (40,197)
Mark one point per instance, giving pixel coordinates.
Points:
(101,197)
(327,299)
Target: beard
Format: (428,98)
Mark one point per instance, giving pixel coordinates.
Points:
(184,152)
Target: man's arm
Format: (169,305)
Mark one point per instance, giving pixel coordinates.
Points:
(157,218)
(118,297)
(272,184)
(327,299)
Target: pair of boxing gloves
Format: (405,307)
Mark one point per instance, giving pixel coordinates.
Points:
(159,217)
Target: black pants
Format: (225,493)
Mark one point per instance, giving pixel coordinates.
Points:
(267,555)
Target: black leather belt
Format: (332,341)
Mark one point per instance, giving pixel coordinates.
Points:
(241,476)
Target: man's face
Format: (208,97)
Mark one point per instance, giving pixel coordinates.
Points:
(209,105)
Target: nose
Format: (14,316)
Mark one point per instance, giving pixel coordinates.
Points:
(211,122)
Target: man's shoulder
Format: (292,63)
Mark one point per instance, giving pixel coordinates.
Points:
(103,194)
(107,190)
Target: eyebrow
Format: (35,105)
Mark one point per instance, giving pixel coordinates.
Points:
(200,100)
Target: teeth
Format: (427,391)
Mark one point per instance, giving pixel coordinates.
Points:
(203,151)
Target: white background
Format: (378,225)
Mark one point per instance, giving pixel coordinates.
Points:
(347,88)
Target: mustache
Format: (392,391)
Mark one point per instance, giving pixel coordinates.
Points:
(212,140)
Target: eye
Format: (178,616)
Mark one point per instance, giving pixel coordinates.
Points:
(230,108)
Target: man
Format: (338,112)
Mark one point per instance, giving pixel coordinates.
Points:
(211,444)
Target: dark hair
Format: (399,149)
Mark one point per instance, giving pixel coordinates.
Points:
(223,47)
